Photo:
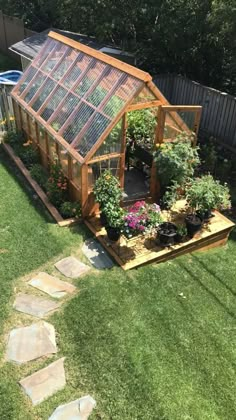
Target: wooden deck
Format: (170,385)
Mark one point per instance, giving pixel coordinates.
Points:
(140,250)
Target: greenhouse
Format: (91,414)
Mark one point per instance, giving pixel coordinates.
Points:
(80,104)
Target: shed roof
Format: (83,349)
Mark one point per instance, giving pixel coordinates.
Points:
(31,46)
(77,93)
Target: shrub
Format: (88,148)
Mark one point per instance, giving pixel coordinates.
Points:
(69,209)
(56,184)
(39,174)
(141,127)
(176,161)
(14,137)
(28,154)
(205,193)
(107,190)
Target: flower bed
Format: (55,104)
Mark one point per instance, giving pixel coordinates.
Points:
(51,188)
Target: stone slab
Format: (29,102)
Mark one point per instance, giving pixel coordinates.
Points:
(34,305)
(75,410)
(71,267)
(96,254)
(45,382)
(51,285)
(30,343)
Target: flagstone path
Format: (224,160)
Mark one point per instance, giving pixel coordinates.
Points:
(34,341)
(34,305)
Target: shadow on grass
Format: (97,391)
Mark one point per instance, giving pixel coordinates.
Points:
(207,289)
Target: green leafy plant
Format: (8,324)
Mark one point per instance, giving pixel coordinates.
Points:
(176,161)
(29,155)
(182,230)
(39,174)
(209,157)
(171,195)
(141,127)
(69,209)
(205,193)
(56,184)
(115,216)
(107,190)
(13,137)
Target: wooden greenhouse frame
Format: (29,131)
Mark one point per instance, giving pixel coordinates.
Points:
(70,99)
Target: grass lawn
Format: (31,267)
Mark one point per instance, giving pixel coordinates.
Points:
(131,339)
(8,63)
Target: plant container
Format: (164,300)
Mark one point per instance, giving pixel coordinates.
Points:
(113,233)
(167,233)
(103,219)
(193,224)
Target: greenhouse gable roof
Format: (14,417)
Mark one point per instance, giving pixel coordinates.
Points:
(77,93)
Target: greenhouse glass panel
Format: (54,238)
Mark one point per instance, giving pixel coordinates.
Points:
(79,121)
(63,112)
(77,94)
(48,87)
(28,76)
(53,102)
(112,144)
(94,132)
(37,83)
(145,96)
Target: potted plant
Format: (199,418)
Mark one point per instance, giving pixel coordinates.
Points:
(176,161)
(107,191)
(115,220)
(181,233)
(142,218)
(205,194)
(167,234)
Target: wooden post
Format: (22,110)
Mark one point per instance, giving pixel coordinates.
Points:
(159,135)
(197,118)
(122,150)
(84,190)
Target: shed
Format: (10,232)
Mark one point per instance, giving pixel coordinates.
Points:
(29,47)
(75,101)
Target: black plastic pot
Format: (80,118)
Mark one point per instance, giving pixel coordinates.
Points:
(113,233)
(103,219)
(167,233)
(193,224)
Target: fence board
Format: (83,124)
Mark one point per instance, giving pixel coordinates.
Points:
(219,108)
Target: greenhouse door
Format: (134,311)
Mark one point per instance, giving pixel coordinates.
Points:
(172,121)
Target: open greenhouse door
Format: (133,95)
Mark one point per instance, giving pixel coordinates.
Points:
(172,121)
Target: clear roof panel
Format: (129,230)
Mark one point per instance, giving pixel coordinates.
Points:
(76,94)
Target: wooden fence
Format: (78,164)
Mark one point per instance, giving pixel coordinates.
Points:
(6,110)
(219,109)
(12,30)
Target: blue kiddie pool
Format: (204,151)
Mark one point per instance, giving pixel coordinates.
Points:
(10,77)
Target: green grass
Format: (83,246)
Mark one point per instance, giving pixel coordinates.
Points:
(130,339)
(8,63)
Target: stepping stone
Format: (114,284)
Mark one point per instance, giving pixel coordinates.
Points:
(96,254)
(30,343)
(71,267)
(75,410)
(45,382)
(52,285)
(34,305)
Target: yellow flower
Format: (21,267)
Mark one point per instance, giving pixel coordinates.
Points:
(3,122)
(12,119)
(158,145)
(163,145)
